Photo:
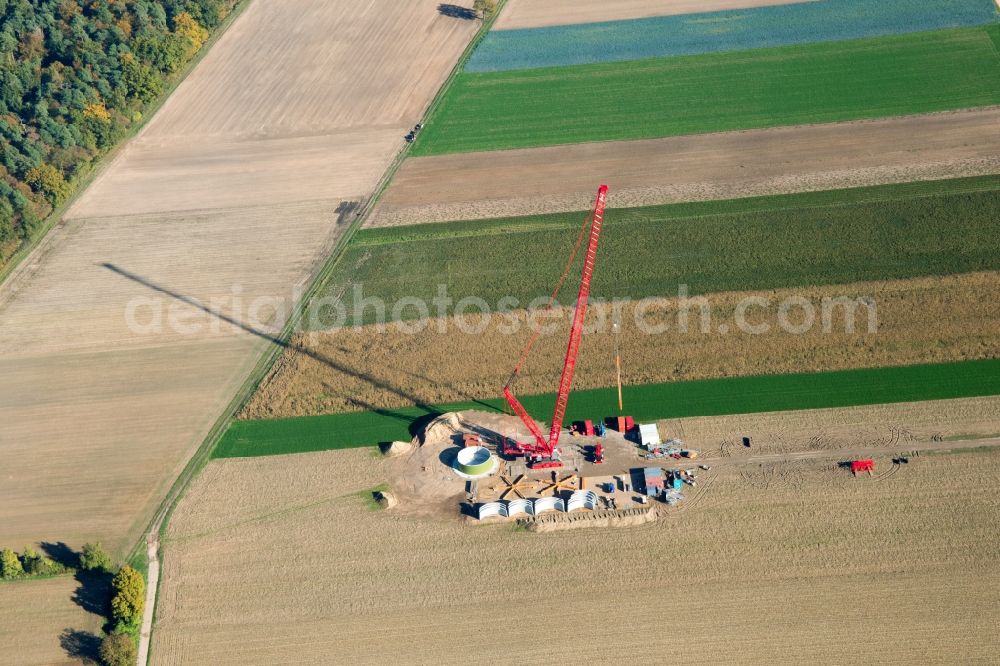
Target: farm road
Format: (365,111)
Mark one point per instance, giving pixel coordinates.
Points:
(834,454)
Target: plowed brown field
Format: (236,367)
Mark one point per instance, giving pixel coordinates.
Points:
(690,168)
(538,13)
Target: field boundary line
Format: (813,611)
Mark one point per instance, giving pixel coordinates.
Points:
(161,517)
(41,240)
(484,30)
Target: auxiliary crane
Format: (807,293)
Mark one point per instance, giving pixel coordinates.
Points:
(542,453)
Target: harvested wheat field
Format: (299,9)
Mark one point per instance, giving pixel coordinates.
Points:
(299,100)
(210,222)
(898,425)
(924,320)
(42,623)
(693,168)
(789,562)
(540,13)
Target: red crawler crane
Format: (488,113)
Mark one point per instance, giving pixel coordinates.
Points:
(543,453)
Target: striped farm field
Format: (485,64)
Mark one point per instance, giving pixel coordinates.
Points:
(738,395)
(812,83)
(859,325)
(717,31)
(817,238)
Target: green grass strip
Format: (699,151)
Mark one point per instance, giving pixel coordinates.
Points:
(810,239)
(711,397)
(670,96)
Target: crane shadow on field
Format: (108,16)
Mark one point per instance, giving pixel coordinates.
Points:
(456,11)
(430,412)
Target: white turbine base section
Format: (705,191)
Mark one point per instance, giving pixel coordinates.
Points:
(492,510)
(543,504)
(520,507)
(582,499)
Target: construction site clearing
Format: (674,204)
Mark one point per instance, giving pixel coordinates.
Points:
(428,474)
(607,471)
(637,479)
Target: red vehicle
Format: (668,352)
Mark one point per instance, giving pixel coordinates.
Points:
(866,465)
(542,453)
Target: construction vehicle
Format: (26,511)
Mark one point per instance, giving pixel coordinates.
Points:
(544,453)
(865,465)
(598,454)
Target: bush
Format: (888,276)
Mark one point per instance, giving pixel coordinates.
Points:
(36,564)
(93,558)
(485,7)
(10,566)
(118,650)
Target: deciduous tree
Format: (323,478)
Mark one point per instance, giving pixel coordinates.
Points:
(93,558)
(485,7)
(118,650)
(129,591)
(186,26)
(48,180)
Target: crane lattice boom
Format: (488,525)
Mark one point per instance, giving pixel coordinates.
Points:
(542,447)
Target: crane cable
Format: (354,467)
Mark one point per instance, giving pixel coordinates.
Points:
(552,299)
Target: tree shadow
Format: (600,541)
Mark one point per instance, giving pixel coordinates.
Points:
(346,211)
(455,11)
(94,592)
(60,553)
(81,645)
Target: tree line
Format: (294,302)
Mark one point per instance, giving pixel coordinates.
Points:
(75,76)
(125,605)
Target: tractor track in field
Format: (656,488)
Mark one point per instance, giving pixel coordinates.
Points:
(890,472)
(840,454)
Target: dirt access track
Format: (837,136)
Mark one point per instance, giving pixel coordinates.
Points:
(541,13)
(233,192)
(690,168)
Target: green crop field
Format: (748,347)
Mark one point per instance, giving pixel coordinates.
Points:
(819,238)
(740,395)
(813,83)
